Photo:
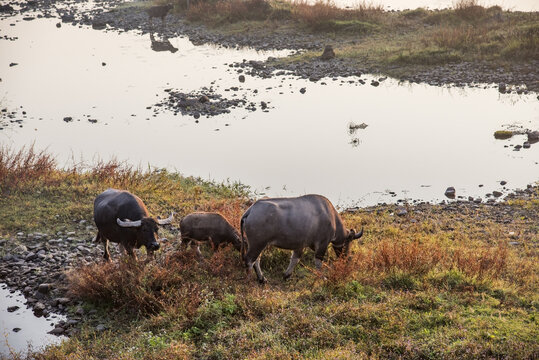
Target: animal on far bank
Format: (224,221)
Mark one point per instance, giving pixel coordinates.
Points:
(308,221)
(158,11)
(122,218)
(208,226)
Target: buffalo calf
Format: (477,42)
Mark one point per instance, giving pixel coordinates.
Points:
(207,226)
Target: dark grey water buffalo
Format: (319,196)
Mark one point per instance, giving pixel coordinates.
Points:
(208,226)
(122,217)
(158,11)
(294,224)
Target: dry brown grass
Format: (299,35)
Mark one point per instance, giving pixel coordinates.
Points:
(19,167)
(229,11)
(469,9)
(321,13)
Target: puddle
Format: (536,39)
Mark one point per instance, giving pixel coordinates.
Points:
(418,141)
(31,329)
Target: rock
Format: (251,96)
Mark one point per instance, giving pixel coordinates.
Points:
(13,308)
(44,288)
(6,8)
(497,193)
(526,145)
(79,311)
(58,330)
(401,212)
(502,88)
(450,192)
(103,64)
(13,64)
(302,90)
(503,182)
(375,83)
(17,329)
(100,328)
(533,137)
(98,25)
(203,99)
(328,53)
(39,308)
(20,249)
(58,25)
(241,78)
(30,256)
(263,105)
(68,119)
(62,301)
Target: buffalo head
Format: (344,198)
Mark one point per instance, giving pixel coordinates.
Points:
(146,230)
(344,246)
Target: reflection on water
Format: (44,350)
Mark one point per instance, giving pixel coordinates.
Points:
(162,45)
(419,139)
(20,328)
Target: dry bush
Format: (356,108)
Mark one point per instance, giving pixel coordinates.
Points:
(411,256)
(321,13)
(486,262)
(459,37)
(134,286)
(229,10)
(469,9)
(20,167)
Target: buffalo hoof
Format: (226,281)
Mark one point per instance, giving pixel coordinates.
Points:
(286,276)
(263,281)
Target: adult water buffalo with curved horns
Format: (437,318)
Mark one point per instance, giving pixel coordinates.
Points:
(294,224)
(122,217)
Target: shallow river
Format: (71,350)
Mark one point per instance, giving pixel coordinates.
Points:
(419,139)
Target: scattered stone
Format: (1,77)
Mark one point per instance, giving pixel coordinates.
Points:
(450,192)
(39,309)
(59,25)
(302,90)
(203,99)
(526,145)
(58,330)
(13,308)
(533,137)
(44,288)
(503,182)
(17,329)
(401,212)
(242,78)
(497,193)
(375,83)
(103,63)
(68,119)
(13,64)
(100,328)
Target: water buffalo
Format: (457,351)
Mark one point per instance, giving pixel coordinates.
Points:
(294,224)
(207,226)
(158,11)
(122,217)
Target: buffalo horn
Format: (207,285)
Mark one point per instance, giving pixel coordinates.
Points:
(129,223)
(166,221)
(359,234)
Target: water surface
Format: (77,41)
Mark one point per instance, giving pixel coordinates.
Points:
(419,139)
(31,330)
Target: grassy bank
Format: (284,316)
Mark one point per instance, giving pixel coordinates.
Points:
(394,42)
(440,282)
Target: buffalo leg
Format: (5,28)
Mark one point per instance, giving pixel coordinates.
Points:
(318,258)
(259,275)
(184,243)
(106,254)
(294,259)
(253,258)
